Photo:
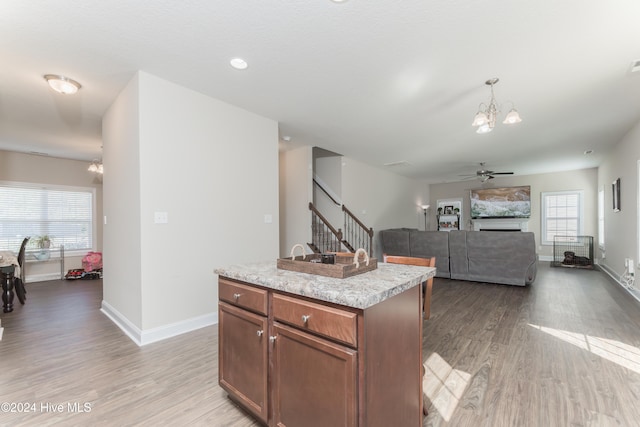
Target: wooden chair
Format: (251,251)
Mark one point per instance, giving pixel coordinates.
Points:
(426,300)
(21,255)
(21,291)
(428,286)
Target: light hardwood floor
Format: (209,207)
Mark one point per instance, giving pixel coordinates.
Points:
(563,352)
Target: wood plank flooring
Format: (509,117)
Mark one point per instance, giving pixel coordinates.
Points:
(563,352)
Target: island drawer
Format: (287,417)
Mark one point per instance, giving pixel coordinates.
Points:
(331,322)
(248,297)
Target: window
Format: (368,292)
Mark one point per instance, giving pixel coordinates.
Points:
(601,218)
(63,213)
(561,215)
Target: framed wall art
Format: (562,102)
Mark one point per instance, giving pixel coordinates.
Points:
(616,195)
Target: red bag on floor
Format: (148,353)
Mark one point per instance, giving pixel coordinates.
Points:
(92,261)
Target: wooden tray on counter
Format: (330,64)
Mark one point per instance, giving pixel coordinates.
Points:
(344,266)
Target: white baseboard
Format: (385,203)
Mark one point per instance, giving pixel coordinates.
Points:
(32,278)
(160,333)
(616,278)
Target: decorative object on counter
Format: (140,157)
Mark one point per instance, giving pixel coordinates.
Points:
(345,264)
(328,258)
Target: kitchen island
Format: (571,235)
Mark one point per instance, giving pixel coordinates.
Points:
(297,349)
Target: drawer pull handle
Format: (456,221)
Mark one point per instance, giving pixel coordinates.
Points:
(259,333)
(305,318)
(236,296)
(272,338)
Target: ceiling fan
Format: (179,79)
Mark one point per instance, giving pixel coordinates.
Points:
(484,174)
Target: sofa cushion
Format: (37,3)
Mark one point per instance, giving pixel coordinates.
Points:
(458,262)
(395,241)
(425,244)
(501,257)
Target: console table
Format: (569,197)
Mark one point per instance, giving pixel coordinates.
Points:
(44,255)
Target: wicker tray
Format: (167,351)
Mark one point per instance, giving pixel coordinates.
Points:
(344,266)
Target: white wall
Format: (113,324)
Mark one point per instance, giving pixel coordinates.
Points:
(382,199)
(328,168)
(621,228)
(213,168)
(29,168)
(584,179)
(122,282)
(295,194)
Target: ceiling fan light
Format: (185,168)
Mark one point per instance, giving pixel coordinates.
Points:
(485,128)
(512,117)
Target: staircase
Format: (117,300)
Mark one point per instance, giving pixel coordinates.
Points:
(326,238)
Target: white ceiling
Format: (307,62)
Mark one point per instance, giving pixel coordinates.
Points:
(378,81)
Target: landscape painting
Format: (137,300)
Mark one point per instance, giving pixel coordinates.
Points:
(506,202)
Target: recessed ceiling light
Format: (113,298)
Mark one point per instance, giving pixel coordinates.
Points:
(339,1)
(286,138)
(239,64)
(62,84)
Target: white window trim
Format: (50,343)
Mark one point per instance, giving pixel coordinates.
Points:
(601,218)
(94,224)
(543,213)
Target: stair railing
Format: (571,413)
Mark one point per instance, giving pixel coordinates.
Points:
(325,237)
(356,234)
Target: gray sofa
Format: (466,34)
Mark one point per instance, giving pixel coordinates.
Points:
(482,256)
(422,244)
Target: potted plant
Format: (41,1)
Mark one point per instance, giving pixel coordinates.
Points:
(44,243)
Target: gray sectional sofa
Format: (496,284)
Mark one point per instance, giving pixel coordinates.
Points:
(482,256)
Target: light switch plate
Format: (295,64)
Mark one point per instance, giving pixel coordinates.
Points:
(161,217)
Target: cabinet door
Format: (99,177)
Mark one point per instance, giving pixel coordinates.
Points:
(314,380)
(242,346)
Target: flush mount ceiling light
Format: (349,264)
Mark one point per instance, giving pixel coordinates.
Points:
(62,84)
(239,64)
(96,167)
(486,116)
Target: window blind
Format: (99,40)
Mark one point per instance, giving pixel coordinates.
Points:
(561,215)
(65,215)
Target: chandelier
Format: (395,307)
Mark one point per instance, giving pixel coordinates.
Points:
(96,167)
(487,115)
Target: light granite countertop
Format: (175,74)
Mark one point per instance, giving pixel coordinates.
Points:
(359,291)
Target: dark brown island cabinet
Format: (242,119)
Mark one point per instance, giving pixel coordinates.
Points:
(298,361)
